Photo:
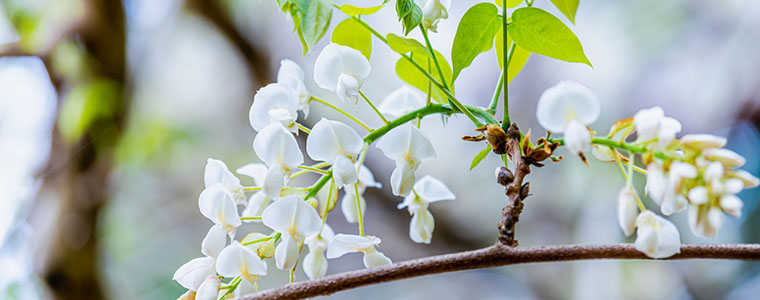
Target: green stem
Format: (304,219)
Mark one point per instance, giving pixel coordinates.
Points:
(427,110)
(432,54)
(497,93)
(312,169)
(318,186)
(250,218)
(505,123)
(373,106)
(304,129)
(610,143)
(359,209)
(350,116)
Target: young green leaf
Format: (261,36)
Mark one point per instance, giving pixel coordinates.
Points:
(403,8)
(479,157)
(413,19)
(539,32)
(405,45)
(352,34)
(519,57)
(411,75)
(510,3)
(474,35)
(355,10)
(315,20)
(567,7)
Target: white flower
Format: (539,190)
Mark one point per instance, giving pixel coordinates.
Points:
(274,103)
(656,237)
(674,200)
(216,172)
(338,144)
(651,123)
(216,204)
(705,220)
(569,107)
(433,11)
(342,70)
(748,179)
(238,260)
(348,203)
(259,200)
(401,101)
(209,289)
(296,220)
(427,190)
(315,263)
(409,147)
(291,74)
(348,243)
(656,182)
(192,274)
(628,209)
(728,158)
(703,141)
(279,151)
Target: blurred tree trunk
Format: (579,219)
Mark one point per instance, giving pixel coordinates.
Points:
(79,172)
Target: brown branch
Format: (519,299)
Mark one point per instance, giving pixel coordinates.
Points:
(514,190)
(493,256)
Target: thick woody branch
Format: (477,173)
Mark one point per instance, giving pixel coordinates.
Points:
(494,256)
(511,212)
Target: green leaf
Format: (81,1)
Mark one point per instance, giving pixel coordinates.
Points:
(519,57)
(510,3)
(352,34)
(479,157)
(413,19)
(567,7)
(315,20)
(405,45)
(355,10)
(474,35)
(539,32)
(403,8)
(411,75)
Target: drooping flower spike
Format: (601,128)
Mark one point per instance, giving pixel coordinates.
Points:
(337,144)
(409,147)
(348,243)
(279,151)
(427,190)
(295,220)
(292,75)
(342,70)
(274,103)
(568,108)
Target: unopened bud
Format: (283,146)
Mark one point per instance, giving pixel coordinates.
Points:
(209,289)
(504,176)
(525,191)
(189,295)
(266,249)
(313,202)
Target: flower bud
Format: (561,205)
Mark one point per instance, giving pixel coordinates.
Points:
(504,176)
(703,141)
(728,158)
(525,191)
(209,289)
(266,249)
(313,202)
(189,295)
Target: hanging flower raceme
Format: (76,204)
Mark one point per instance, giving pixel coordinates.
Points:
(192,274)
(217,204)
(337,144)
(433,11)
(568,108)
(342,70)
(216,172)
(274,103)
(279,151)
(259,200)
(652,125)
(295,220)
(427,190)
(409,147)
(656,237)
(292,75)
(349,243)
(348,203)
(238,260)
(401,101)
(315,263)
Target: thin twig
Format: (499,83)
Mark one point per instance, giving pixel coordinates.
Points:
(493,256)
(511,212)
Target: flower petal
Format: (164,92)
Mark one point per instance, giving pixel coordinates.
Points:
(348,243)
(256,205)
(401,101)
(421,226)
(402,179)
(577,137)
(431,189)
(566,101)
(217,205)
(330,139)
(732,205)
(348,206)
(256,171)
(276,146)
(728,158)
(374,258)
(366,178)
(214,242)
(348,88)
(627,210)
(335,60)
(286,253)
(703,141)
(274,96)
(209,289)
(315,263)
(656,236)
(344,171)
(647,122)
(192,274)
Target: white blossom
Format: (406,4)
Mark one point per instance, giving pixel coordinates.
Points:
(315,263)
(217,204)
(651,123)
(238,260)
(192,274)
(409,147)
(433,11)
(349,243)
(401,101)
(292,75)
(295,220)
(348,202)
(216,172)
(209,289)
(568,108)
(274,103)
(656,237)
(337,144)
(279,150)
(705,220)
(259,200)
(427,190)
(628,209)
(342,70)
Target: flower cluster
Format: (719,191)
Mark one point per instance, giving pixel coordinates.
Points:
(694,172)
(297,215)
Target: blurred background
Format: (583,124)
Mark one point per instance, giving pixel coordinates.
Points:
(101,166)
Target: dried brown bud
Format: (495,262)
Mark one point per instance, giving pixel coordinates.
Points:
(525,191)
(504,176)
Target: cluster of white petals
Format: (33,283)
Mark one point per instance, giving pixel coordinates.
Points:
(433,11)
(427,190)
(569,108)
